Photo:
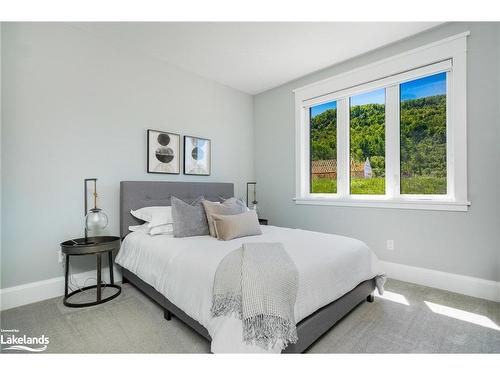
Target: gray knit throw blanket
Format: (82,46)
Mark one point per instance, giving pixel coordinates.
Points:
(258,283)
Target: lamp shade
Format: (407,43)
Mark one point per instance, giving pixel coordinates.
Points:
(96,219)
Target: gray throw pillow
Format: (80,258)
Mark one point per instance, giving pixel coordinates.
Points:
(231,206)
(189,219)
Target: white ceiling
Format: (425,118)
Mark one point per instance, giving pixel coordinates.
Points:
(254,57)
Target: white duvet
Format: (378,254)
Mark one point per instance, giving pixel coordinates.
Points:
(183,270)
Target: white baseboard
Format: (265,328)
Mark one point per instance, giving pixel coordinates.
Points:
(45,289)
(470,286)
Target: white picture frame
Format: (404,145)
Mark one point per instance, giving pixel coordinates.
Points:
(197,156)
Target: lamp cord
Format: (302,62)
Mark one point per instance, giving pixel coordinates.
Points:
(73,284)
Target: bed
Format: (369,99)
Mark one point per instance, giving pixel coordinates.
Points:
(331,282)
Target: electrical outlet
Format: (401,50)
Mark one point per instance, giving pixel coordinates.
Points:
(390,244)
(60,256)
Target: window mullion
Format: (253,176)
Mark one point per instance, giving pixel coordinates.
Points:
(343,147)
(392,147)
(305,179)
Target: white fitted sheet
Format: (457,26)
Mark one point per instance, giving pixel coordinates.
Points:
(183,270)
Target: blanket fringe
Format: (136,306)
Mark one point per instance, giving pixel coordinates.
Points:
(226,304)
(266,330)
(379,282)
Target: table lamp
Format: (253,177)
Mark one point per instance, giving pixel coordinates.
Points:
(95,218)
(253,199)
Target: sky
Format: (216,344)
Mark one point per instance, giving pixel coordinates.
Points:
(371,97)
(418,88)
(320,108)
(427,86)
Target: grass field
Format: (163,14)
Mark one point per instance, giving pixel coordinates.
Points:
(376,185)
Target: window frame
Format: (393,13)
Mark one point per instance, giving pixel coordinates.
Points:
(447,55)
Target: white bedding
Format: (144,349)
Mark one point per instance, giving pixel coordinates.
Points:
(183,270)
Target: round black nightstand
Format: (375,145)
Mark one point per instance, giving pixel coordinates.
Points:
(91,246)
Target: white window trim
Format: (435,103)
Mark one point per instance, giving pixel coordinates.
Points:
(445,55)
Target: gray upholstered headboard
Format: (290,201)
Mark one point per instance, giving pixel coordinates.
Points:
(137,194)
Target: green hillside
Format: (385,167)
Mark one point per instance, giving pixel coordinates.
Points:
(423,145)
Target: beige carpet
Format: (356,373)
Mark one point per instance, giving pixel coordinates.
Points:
(410,318)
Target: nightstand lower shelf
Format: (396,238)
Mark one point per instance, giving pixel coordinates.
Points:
(97,302)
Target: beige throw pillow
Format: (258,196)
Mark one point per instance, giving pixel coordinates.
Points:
(229,227)
(231,206)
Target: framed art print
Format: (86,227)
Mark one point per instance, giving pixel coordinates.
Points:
(197,156)
(163,152)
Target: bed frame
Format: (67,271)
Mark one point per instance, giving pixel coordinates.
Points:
(137,194)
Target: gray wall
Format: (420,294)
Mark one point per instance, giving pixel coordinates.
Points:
(456,242)
(76,107)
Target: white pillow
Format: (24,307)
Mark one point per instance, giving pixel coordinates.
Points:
(146,213)
(136,228)
(162,217)
(159,229)
(162,229)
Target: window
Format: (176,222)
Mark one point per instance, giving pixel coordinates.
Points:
(392,134)
(367,143)
(423,135)
(323,135)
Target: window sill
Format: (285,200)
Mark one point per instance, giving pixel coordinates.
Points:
(380,203)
